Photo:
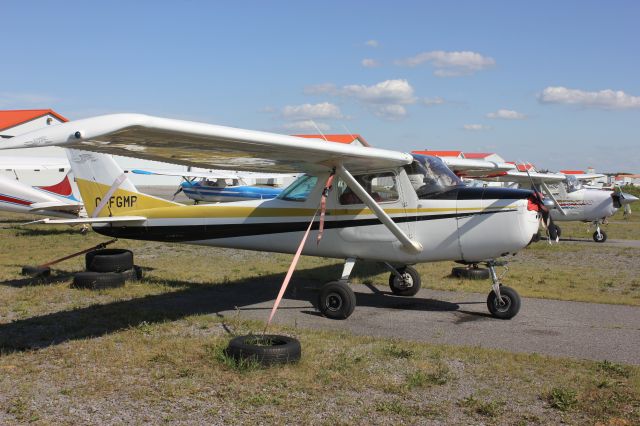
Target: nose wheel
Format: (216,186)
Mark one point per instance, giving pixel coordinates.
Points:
(404,281)
(503,302)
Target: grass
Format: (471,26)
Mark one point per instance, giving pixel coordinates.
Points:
(620,228)
(153,351)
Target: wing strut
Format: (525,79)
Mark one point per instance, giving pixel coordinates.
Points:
(357,189)
(548,192)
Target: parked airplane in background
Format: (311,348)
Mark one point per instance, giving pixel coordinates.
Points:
(572,200)
(386,206)
(221,185)
(55,200)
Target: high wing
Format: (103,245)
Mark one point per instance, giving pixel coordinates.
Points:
(206,145)
(588,176)
(211,174)
(471,168)
(524,177)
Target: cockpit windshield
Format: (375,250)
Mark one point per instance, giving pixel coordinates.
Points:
(429,175)
(573,184)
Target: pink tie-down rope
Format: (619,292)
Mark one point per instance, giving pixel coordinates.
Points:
(296,257)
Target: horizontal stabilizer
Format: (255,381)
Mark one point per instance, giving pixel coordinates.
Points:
(91,220)
(52,205)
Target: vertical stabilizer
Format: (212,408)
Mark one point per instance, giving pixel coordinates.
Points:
(105,188)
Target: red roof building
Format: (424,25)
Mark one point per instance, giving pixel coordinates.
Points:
(11,119)
(454,154)
(346,139)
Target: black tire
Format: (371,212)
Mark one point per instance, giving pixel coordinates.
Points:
(602,239)
(336,300)
(408,285)
(470,273)
(98,280)
(109,260)
(134,274)
(36,271)
(269,349)
(511,306)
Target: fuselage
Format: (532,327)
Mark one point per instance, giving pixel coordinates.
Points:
(460,223)
(586,205)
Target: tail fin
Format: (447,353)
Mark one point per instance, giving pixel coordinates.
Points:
(105,188)
(61,189)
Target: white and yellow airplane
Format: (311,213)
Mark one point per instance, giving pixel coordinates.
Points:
(386,206)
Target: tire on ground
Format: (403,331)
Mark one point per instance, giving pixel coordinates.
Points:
(399,287)
(98,280)
(266,349)
(511,305)
(602,239)
(109,260)
(470,273)
(336,300)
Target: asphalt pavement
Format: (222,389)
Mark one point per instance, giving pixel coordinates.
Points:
(572,329)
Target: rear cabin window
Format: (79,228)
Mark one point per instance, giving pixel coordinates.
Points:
(299,190)
(382,187)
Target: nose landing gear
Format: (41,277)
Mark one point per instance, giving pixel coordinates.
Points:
(599,236)
(503,302)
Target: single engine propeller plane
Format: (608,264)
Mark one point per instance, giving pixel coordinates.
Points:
(387,206)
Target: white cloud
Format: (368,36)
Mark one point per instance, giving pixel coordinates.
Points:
(372,43)
(605,99)
(306,126)
(475,127)
(507,114)
(370,63)
(323,110)
(450,64)
(385,92)
(432,101)
(390,112)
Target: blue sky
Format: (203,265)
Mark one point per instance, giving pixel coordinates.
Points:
(555,83)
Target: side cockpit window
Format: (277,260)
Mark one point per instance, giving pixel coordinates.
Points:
(382,187)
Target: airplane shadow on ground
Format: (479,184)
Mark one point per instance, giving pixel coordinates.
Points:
(93,321)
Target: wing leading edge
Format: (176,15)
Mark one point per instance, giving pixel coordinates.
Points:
(206,145)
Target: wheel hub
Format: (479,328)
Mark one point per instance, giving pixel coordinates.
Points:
(503,304)
(334,302)
(405,282)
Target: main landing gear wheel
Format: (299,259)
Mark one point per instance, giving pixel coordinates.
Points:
(599,237)
(508,305)
(408,284)
(336,300)
(473,273)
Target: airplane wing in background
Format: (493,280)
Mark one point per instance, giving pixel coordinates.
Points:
(211,174)
(471,168)
(206,145)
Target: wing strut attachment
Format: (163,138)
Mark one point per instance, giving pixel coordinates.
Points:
(408,243)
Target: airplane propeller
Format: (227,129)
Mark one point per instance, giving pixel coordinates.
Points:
(545,212)
(623,199)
